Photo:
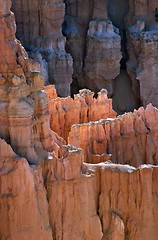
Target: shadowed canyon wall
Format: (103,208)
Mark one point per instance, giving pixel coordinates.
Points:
(98,42)
(135,52)
(53,191)
(39,27)
(112,44)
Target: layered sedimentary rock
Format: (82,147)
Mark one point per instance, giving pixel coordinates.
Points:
(23,202)
(24,115)
(98,61)
(142,10)
(83,108)
(103,55)
(138,46)
(72,214)
(24,123)
(104,201)
(130,139)
(96,201)
(124,215)
(47,191)
(39,25)
(142,49)
(99,35)
(142,64)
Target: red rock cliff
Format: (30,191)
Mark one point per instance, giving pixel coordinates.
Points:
(49,190)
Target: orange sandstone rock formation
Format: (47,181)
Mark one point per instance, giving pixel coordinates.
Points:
(101,201)
(49,190)
(24,115)
(83,108)
(128,139)
(124,200)
(72,198)
(23,202)
(51,92)
(92,201)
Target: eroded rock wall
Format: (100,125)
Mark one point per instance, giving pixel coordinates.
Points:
(103,201)
(129,139)
(97,65)
(47,191)
(23,202)
(94,44)
(142,49)
(105,38)
(24,116)
(39,27)
(144,10)
(142,64)
(83,108)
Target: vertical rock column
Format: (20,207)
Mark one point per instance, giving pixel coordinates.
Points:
(102,61)
(24,115)
(40,29)
(94,45)
(142,50)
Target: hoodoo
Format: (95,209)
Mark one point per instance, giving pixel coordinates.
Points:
(71,167)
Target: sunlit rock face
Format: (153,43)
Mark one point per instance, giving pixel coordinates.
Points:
(24,116)
(23,202)
(83,108)
(110,138)
(103,187)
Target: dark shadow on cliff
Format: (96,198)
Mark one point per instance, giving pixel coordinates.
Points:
(124,99)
